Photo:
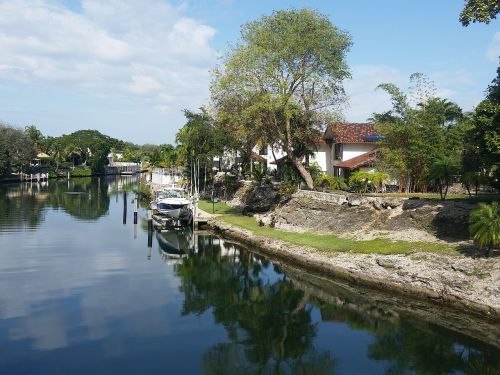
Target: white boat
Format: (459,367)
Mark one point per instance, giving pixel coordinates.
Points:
(171,208)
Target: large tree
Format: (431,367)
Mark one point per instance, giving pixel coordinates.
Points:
(16,150)
(417,133)
(287,69)
(479,11)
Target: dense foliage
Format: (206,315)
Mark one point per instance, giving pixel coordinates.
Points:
(272,84)
(16,150)
(485,225)
(479,11)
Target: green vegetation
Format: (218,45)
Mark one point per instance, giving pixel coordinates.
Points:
(326,243)
(478,198)
(82,171)
(217,207)
(441,172)
(479,11)
(144,192)
(485,225)
(364,182)
(260,174)
(329,182)
(16,150)
(285,65)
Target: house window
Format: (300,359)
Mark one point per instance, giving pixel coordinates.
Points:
(337,152)
(263,151)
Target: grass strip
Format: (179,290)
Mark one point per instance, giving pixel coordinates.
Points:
(324,242)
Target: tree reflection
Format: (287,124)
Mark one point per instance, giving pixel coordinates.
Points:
(268,321)
(270,329)
(422,349)
(23,204)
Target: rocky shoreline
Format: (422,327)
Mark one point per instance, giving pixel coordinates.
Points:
(470,285)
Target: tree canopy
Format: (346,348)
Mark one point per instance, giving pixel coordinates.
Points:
(286,71)
(406,151)
(479,11)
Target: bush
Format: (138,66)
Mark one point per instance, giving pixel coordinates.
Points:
(328,182)
(82,171)
(144,192)
(315,171)
(364,182)
(260,174)
(485,225)
(287,189)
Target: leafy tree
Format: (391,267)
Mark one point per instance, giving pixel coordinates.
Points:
(406,152)
(442,172)
(286,70)
(479,11)
(199,139)
(16,150)
(485,225)
(35,135)
(472,180)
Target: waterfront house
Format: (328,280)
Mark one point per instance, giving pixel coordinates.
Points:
(350,147)
(342,149)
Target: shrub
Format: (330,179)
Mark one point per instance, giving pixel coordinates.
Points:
(144,192)
(260,174)
(287,189)
(485,225)
(360,182)
(82,171)
(328,182)
(364,182)
(315,171)
(441,173)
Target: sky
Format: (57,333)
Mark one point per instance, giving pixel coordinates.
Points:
(128,68)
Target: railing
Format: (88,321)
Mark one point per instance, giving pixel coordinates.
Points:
(34,176)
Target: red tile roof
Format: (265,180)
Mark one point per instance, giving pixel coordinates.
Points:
(358,161)
(349,133)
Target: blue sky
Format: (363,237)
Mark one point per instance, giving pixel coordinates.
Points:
(128,68)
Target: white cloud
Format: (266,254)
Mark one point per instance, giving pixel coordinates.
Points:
(140,48)
(493,52)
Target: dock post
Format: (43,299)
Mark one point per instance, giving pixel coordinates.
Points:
(124,207)
(136,208)
(150,230)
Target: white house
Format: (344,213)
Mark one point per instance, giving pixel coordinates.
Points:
(351,146)
(344,147)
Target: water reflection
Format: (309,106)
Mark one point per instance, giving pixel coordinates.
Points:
(270,324)
(84,293)
(24,205)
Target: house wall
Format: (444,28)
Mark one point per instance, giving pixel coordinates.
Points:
(321,156)
(269,157)
(350,151)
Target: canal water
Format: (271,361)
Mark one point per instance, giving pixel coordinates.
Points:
(83,292)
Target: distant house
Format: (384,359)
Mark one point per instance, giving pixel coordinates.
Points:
(343,148)
(114,157)
(352,146)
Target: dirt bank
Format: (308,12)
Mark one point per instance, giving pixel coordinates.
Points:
(364,217)
(457,281)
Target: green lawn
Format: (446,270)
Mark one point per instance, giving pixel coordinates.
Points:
(216,208)
(479,198)
(325,243)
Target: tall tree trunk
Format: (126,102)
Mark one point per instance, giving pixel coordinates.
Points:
(296,161)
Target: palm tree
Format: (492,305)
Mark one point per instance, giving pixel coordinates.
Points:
(485,225)
(442,172)
(73,151)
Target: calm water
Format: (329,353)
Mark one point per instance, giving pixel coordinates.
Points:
(81,292)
